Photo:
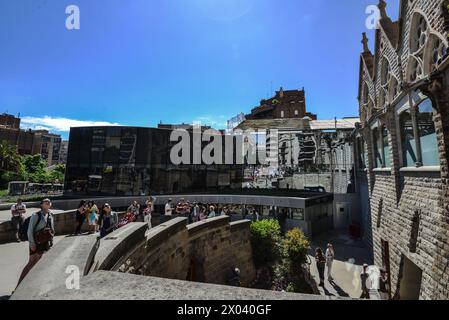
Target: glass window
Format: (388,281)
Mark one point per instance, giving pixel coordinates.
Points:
(427,134)
(297,213)
(377,148)
(386,151)
(361,151)
(407,139)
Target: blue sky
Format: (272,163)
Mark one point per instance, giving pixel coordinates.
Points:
(139,62)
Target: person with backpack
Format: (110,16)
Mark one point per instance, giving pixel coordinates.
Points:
(40,235)
(18,210)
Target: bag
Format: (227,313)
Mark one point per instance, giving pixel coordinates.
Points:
(44,237)
(23,232)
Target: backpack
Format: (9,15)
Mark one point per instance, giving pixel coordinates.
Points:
(23,232)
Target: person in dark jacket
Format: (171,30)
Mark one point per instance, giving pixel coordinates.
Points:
(320,264)
(383,285)
(80,216)
(364,279)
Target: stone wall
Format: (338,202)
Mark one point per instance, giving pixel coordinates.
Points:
(409,206)
(204,251)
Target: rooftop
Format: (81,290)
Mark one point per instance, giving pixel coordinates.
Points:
(299,124)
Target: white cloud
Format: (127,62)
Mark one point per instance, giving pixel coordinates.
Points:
(60,124)
(216,122)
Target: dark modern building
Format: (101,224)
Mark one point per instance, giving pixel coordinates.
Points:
(136,161)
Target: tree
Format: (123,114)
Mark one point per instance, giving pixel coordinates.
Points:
(57,173)
(10,158)
(265,242)
(35,167)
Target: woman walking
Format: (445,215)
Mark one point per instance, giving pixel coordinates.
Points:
(320,264)
(92,217)
(330,254)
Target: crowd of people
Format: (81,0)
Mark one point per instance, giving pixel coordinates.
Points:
(105,220)
(195,211)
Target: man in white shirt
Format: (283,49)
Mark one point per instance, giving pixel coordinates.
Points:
(18,210)
(168,207)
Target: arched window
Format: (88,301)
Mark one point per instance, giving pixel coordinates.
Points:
(419,33)
(435,52)
(393,89)
(385,77)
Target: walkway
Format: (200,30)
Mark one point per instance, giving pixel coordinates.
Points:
(14,256)
(350,255)
(5,215)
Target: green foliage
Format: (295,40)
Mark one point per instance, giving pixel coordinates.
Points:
(10,159)
(289,272)
(295,247)
(265,242)
(34,164)
(32,168)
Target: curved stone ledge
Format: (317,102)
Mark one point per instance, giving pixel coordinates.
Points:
(119,286)
(239,225)
(201,252)
(52,270)
(117,245)
(210,223)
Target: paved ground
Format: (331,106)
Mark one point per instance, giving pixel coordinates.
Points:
(350,255)
(14,256)
(5,215)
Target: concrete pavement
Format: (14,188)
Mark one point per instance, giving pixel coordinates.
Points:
(14,256)
(5,215)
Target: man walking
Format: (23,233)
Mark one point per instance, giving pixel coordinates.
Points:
(40,235)
(18,210)
(330,254)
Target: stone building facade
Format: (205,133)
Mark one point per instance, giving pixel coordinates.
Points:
(403,147)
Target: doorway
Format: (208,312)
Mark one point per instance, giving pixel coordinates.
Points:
(410,285)
(386,262)
(342,214)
